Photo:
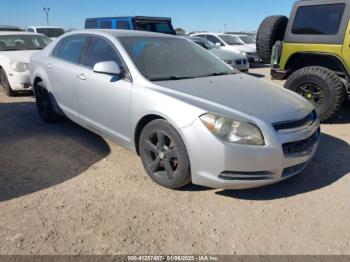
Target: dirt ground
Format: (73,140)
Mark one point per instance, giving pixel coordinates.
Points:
(64,190)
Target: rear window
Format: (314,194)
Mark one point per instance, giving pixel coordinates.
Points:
(318,19)
(155,26)
(51,32)
(91,24)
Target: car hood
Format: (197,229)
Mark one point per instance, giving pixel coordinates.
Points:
(226,54)
(239,92)
(19,56)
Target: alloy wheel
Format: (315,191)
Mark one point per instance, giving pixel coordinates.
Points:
(312,92)
(162,155)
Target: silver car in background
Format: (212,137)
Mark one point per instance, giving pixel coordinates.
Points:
(189,116)
(235,59)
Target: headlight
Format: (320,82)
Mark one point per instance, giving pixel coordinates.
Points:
(19,66)
(229,62)
(233,131)
(243,53)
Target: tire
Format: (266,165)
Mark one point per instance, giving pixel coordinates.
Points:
(5,83)
(164,155)
(271,30)
(44,104)
(326,87)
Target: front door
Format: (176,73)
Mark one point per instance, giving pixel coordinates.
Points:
(104,100)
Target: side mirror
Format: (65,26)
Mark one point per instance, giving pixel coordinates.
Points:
(218,45)
(108,68)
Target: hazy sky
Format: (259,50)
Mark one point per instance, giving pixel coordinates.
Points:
(209,15)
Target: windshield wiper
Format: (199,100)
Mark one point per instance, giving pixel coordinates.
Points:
(169,78)
(218,74)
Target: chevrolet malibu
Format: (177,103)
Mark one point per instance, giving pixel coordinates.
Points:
(189,116)
(15,51)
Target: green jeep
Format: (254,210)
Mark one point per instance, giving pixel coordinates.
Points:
(311,50)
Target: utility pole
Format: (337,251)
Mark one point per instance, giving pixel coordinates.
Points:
(46,11)
(225,28)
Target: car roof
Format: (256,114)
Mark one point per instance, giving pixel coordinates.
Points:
(132,17)
(17,33)
(209,33)
(123,33)
(55,27)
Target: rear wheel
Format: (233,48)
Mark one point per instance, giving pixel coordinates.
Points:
(164,155)
(271,30)
(321,87)
(44,104)
(5,83)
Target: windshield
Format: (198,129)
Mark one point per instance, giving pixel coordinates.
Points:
(50,32)
(247,39)
(231,40)
(23,42)
(203,43)
(164,27)
(161,58)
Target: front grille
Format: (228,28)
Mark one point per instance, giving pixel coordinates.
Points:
(241,61)
(301,148)
(288,125)
(251,53)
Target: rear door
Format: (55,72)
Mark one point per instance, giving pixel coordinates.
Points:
(104,100)
(63,70)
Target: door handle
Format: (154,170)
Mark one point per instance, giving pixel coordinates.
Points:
(49,66)
(81,76)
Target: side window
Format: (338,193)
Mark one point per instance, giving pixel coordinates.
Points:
(72,47)
(123,24)
(30,30)
(100,50)
(201,36)
(214,39)
(318,19)
(106,24)
(91,24)
(57,49)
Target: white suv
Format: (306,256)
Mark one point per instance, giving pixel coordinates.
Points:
(231,42)
(50,31)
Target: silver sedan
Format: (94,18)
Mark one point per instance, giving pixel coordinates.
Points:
(189,116)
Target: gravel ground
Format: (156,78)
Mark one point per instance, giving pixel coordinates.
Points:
(64,190)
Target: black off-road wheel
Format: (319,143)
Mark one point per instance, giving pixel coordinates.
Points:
(271,30)
(321,87)
(5,83)
(44,104)
(164,155)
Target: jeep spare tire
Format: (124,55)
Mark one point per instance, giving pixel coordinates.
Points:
(271,30)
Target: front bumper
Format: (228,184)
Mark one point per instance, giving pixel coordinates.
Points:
(217,164)
(253,58)
(19,81)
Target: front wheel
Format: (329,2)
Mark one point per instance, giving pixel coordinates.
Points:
(164,155)
(321,87)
